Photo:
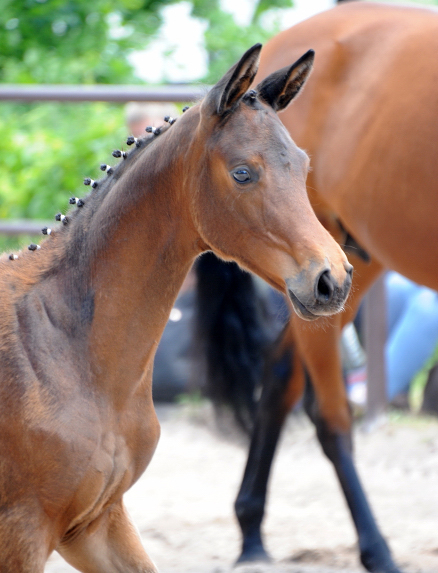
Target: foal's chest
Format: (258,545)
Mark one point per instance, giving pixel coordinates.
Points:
(121,454)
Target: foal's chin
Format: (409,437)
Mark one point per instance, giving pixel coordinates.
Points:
(313,310)
(311,315)
(300,309)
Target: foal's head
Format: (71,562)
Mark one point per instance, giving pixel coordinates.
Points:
(250,202)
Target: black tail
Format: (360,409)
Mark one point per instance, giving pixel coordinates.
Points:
(233,332)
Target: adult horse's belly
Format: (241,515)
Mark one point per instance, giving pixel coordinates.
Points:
(369,121)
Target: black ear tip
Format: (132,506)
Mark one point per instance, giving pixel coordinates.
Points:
(309,57)
(305,62)
(254,50)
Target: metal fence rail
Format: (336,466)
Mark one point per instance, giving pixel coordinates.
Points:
(110,93)
(21,227)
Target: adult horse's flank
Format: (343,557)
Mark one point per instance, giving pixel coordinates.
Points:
(369,123)
(81,317)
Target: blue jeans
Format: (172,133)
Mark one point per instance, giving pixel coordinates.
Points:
(412,315)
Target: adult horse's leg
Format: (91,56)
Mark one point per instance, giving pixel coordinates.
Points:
(283,386)
(108,545)
(337,446)
(326,404)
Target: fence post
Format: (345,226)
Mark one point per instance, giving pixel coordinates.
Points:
(375,328)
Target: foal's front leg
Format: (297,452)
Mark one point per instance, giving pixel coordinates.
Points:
(110,544)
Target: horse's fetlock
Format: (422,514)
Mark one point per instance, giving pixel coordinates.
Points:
(249,511)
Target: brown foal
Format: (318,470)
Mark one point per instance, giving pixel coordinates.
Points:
(81,316)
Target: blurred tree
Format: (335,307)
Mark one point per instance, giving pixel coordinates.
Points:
(53,41)
(46,149)
(225,39)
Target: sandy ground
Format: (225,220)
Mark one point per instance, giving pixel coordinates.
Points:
(183,503)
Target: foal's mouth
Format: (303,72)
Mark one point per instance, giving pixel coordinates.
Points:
(299,307)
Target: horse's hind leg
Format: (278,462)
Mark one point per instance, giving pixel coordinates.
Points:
(282,388)
(110,544)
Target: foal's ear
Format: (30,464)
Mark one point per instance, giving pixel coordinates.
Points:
(279,89)
(232,87)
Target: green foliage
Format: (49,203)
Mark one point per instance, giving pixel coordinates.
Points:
(54,41)
(14,243)
(265,5)
(226,40)
(418,383)
(47,149)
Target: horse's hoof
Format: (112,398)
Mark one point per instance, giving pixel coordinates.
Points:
(389,568)
(376,556)
(252,555)
(379,566)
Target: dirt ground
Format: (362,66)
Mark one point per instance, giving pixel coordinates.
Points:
(183,503)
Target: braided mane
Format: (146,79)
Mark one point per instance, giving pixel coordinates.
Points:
(96,196)
(80,220)
(67,238)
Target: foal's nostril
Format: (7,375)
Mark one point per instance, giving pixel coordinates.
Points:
(324,288)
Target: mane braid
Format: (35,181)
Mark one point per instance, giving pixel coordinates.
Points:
(68,241)
(75,234)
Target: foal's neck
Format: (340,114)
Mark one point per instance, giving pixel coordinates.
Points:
(140,244)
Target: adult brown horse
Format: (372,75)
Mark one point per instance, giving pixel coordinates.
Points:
(81,316)
(368,122)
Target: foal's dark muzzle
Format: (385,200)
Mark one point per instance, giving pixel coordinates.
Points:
(327,297)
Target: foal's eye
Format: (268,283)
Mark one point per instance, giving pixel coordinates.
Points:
(242,175)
